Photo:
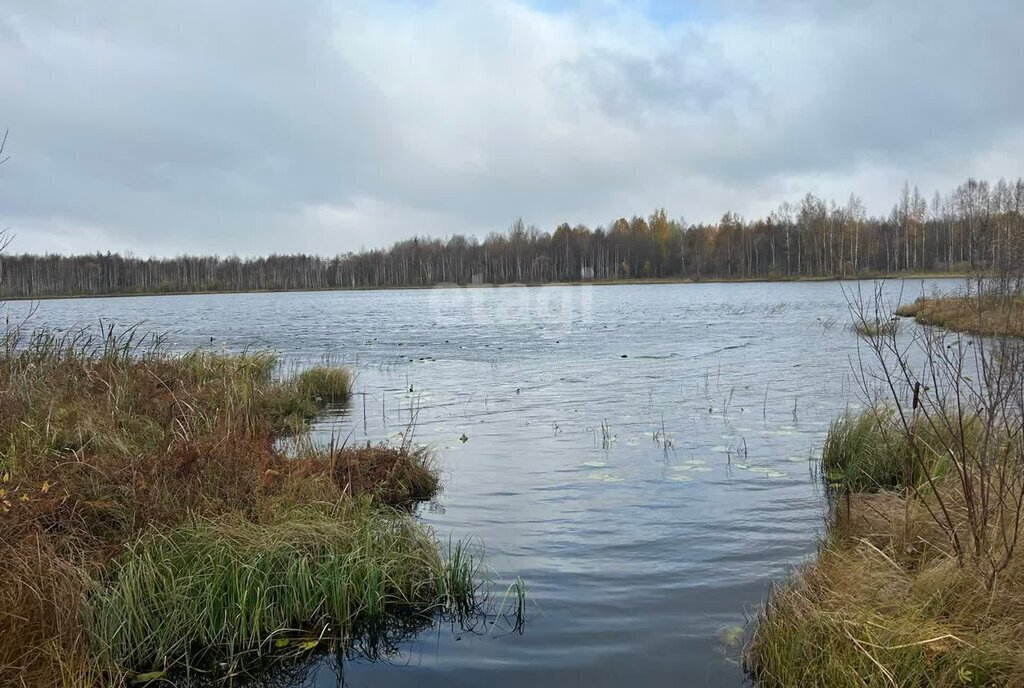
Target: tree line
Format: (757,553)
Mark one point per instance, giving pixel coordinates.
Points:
(974,228)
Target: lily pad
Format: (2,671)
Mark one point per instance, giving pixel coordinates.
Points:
(594,464)
(606,477)
(681,478)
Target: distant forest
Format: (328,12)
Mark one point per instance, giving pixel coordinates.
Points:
(976,227)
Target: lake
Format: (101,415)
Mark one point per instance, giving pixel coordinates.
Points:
(641,456)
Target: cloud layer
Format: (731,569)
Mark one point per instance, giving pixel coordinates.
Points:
(253,127)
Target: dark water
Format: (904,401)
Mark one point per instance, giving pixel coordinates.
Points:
(638,454)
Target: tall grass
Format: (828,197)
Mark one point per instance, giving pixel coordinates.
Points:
(874,450)
(148,518)
(218,589)
(331,385)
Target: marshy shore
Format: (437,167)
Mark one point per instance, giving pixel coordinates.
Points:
(919,577)
(154,522)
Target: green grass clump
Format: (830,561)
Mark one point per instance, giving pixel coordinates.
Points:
(214,590)
(329,385)
(874,450)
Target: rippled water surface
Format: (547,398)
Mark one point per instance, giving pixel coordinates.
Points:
(638,454)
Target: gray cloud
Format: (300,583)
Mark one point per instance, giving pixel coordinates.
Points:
(250,127)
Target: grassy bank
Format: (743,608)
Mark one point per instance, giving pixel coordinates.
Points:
(149,524)
(989,315)
(918,580)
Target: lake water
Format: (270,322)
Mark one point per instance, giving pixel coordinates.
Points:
(638,454)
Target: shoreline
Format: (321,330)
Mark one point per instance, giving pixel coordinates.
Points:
(507,285)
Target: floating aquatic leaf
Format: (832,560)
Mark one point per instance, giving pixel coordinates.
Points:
(759,469)
(606,477)
(701,469)
(309,644)
(680,478)
(731,635)
(728,437)
(680,469)
(694,462)
(281,642)
(594,464)
(775,474)
(742,466)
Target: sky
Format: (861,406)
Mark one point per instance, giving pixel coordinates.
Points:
(250,127)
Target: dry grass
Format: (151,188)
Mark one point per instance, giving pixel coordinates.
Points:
(889,601)
(876,328)
(887,605)
(987,315)
(103,444)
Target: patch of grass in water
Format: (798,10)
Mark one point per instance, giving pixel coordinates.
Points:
(328,384)
(871,450)
(220,588)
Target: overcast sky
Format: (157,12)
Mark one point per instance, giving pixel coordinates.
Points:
(248,127)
